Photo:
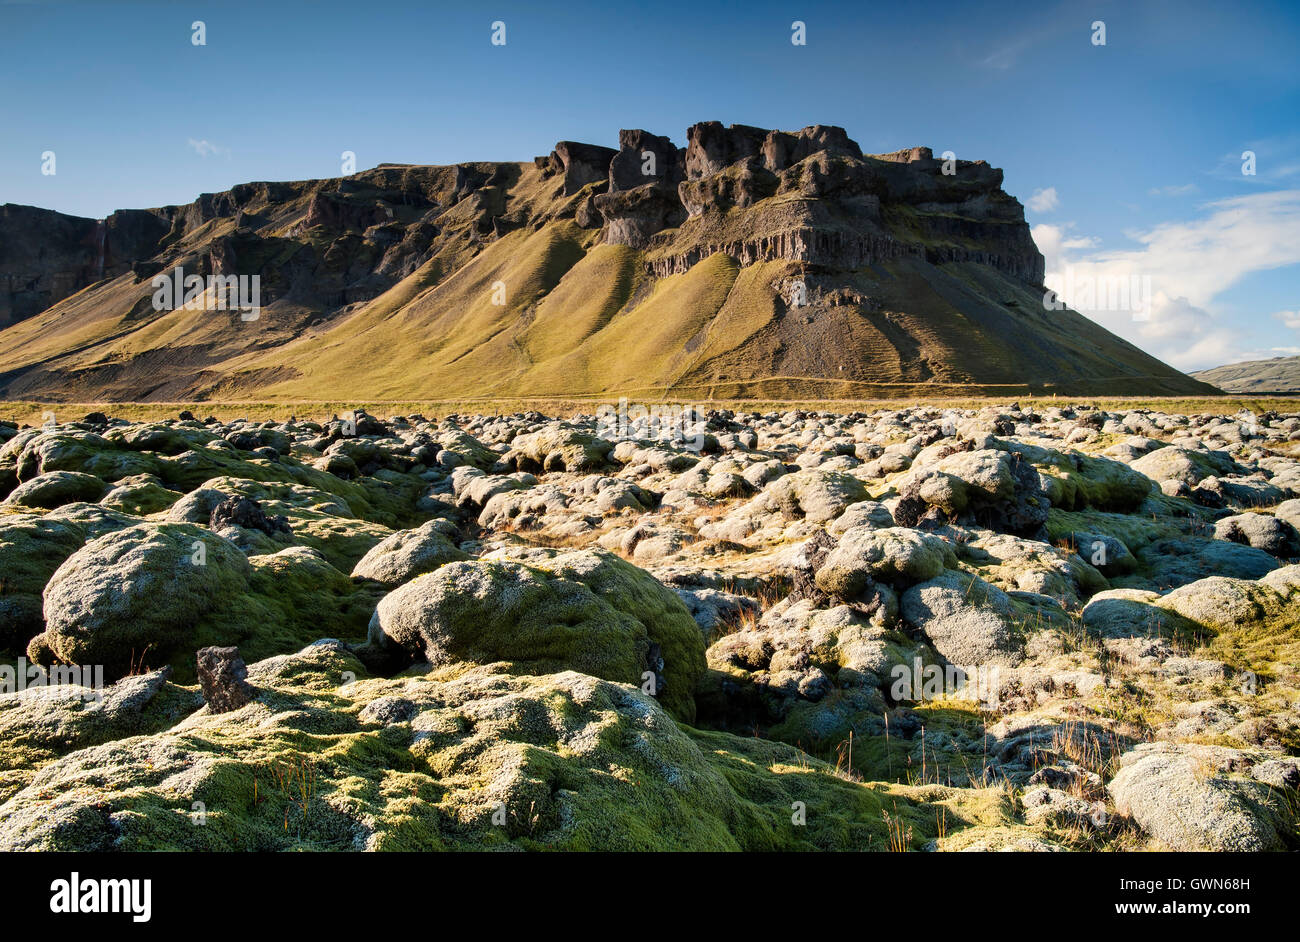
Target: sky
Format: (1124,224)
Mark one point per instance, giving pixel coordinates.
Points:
(1128,155)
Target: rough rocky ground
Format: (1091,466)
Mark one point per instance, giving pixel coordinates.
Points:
(493,631)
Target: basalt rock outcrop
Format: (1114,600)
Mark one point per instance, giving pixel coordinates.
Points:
(48,256)
(749,263)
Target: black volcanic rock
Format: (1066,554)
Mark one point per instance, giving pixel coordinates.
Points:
(582,164)
(627,169)
(247,513)
(223,679)
(711,147)
(46,256)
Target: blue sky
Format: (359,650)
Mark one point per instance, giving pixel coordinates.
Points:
(1128,155)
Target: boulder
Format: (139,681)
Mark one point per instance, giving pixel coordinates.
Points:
(1271,534)
(32,548)
(587,611)
(1176,798)
(410,553)
(895,555)
(136,595)
(223,679)
(55,488)
(969,622)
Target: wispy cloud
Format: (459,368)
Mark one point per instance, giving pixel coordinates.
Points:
(1276,161)
(1055,23)
(206,148)
(1053,240)
(1265,353)
(1043,200)
(1189,264)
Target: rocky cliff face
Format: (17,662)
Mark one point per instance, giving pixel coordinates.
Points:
(46,256)
(941,213)
(370,231)
(749,262)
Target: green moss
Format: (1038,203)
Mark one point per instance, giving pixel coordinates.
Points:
(588,611)
(1133,530)
(31,549)
(1077,481)
(42,725)
(558,762)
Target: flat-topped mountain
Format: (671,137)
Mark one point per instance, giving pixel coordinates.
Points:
(749,264)
(1257,377)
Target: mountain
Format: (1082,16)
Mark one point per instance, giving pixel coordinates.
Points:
(1257,377)
(749,264)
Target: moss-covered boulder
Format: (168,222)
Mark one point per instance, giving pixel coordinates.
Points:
(815,495)
(31,549)
(138,594)
(559,447)
(95,520)
(588,611)
(1166,564)
(327,758)
(55,488)
(969,621)
(1273,535)
(1186,798)
(1074,481)
(141,496)
(894,555)
(995,488)
(1106,553)
(1253,625)
(465,447)
(1018,564)
(1133,613)
(1189,466)
(40,724)
(410,553)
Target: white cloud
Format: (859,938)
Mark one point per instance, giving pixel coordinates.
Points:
(1189,263)
(1268,353)
(206,148)
(1043,200)
(1054,240)
(1289,318)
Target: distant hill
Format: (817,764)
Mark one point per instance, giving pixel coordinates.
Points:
(1278,375)
(749,264)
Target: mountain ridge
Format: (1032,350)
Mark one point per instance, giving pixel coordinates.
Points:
(1274,375)
(748,264)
